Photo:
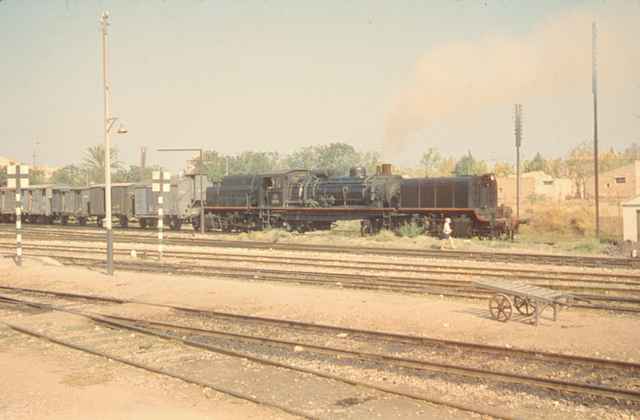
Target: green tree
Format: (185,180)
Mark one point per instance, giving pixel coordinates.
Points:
(468,165)
(70,175)
(94,162)
(430,161)
(339,157)
(133,173)
(535,164)
(305,158)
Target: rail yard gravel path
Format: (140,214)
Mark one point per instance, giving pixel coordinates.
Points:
(576,332)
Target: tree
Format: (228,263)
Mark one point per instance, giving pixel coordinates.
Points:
(580,166)
(70,175)
(94,163)
(37,176)
(430,161)
(446,167)
(339,157)
(134,174)
(536,164)
(468,165)
(503,169)
(305,158)
(557,167)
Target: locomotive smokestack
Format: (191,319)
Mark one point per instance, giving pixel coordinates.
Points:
(386,169)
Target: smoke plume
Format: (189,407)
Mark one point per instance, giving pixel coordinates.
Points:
(553,59)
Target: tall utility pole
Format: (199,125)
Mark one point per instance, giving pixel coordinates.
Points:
(518,133)
(594,89)
(104,23)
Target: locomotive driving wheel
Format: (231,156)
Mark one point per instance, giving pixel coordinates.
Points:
(524,306)
(500,307)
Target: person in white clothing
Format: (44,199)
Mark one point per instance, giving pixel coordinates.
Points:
(446,234)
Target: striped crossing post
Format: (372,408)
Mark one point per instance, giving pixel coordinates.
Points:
(18,178)
(161,184)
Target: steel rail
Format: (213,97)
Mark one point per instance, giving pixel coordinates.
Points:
(108,321)
(370,282)
(389,336)
(134,324)
(160,371)
(522,274)
(458,254)
(555,384)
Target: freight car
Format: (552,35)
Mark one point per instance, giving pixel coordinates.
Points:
(46,204)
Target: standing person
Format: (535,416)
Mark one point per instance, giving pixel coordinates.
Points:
(446,234)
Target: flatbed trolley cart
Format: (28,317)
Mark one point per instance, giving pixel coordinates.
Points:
(528,300)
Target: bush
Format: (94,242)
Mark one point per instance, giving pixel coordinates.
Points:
(410,230)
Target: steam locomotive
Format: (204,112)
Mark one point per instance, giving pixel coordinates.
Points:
(305,200)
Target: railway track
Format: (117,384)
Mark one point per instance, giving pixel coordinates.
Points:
(612,294)
(71,233)
(594,380)
(186,349)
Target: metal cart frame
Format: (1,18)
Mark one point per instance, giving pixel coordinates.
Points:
(528,300)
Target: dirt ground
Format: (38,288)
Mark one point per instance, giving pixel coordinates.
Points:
(40,380)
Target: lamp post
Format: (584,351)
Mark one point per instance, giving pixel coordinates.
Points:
(194,149)
(109,122)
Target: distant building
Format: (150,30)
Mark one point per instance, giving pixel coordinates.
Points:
(536,184)
(631,220)
(618,184)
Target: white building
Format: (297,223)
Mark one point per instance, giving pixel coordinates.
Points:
(631,220)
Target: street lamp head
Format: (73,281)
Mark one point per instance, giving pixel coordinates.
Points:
(122,130)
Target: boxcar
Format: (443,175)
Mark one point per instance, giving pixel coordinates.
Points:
(122,197)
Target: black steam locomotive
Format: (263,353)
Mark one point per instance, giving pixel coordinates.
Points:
(305,200)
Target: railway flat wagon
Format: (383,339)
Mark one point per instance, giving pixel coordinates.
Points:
(122,202)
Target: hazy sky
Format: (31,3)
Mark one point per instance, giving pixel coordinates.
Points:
(396,77)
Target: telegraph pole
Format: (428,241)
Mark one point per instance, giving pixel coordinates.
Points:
(518,133)
(594,89)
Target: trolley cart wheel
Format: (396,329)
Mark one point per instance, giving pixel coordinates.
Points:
(500,307)
(524,306)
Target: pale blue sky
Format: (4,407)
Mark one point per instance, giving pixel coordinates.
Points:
(279,75)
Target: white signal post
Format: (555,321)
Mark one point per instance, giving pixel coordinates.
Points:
(161,184)
(18,178)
